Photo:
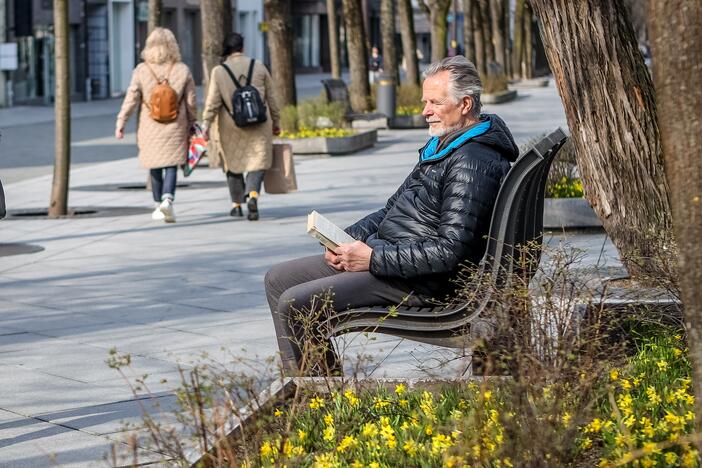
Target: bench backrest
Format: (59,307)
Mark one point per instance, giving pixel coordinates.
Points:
(517,218)
(337,91)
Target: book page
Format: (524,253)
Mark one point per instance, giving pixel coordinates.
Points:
(326,232)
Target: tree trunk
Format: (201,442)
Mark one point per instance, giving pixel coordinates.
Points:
(58,206)
(528,54)
(387,31)
(216,24)
(438,10)
(280,48)
(518,45)
(486,24)
(675,32)
(498,35)
(409,41)
(468,39)
(479,35)
(155,9)
(334,50)
(611,113)
(506,37)
(359,89)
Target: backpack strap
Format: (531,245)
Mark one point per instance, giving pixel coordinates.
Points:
(231,75)
(250,73)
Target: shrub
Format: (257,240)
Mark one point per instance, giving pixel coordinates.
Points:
(318,113)
(646,409)
(289,119)
(566,187)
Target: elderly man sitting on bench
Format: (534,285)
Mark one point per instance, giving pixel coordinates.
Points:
(408,251)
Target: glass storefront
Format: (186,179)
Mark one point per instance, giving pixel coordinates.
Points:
(307,43)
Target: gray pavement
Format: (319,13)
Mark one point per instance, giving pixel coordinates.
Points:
(167,293)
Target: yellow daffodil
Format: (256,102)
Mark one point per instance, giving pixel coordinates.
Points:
(316,403)
(400,389)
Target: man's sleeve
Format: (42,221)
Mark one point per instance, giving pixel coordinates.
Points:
(368,225)
(468,195)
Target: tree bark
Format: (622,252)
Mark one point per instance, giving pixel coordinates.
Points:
(58,206)
(387,32)
(506,36)
(280,48)
(518,44)
(216,18)
(528,54)
(480,46)
(486,24)
(675,32)
(409,41)
(498,35)
(468,30)
(611,113)
(359,89)
(334,50)
(155,9)
(438,10)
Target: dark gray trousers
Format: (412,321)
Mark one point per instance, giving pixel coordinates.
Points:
(238,189)
(296,288)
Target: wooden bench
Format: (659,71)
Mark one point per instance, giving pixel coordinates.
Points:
(517,220)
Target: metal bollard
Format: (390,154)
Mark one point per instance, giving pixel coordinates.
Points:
(385,100)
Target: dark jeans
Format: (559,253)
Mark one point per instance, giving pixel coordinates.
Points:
(238,190)
(163,186)
(293,290)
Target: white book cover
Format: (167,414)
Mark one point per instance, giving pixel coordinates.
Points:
(328,233)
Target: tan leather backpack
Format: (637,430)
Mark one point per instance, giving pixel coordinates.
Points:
(163,103)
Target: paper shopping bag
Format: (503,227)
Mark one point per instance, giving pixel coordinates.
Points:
(280,178)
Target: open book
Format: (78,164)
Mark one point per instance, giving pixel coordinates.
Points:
(326,232)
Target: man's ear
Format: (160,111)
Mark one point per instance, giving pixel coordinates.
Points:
(467,105)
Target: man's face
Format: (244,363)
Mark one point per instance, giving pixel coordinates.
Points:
(443,114)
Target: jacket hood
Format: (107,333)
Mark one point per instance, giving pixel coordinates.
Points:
(490,131)
(498,137)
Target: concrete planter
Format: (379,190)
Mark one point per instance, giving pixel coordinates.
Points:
(333,146)
(500,97)
(569,213)
(529,83)
(369,121)
(409,122)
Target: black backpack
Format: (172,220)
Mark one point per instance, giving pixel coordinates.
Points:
(247,106)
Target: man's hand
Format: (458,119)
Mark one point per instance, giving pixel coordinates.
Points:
(355,256)
(206,133)
(276,131)
(119,133)
(333,260)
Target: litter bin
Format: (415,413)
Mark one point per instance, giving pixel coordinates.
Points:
(385,99)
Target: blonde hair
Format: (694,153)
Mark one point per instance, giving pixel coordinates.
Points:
(161,47)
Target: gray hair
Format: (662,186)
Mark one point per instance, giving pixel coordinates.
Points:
(464,80)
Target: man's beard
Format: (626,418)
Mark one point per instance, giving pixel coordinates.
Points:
(443,131)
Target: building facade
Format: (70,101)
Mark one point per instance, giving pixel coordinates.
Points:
(106,39)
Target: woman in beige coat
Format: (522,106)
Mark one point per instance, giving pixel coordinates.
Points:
(242,150)
(162,146)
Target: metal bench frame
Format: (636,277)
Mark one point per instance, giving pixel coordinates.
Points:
(517,221)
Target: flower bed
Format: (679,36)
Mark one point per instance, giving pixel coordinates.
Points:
(499,97)
(333,145)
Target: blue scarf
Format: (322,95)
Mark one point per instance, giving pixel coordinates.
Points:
(429,152)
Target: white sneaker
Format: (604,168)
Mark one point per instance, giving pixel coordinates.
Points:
(157,214)
(166,207)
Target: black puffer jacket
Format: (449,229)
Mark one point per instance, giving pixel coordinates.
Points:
(440,215)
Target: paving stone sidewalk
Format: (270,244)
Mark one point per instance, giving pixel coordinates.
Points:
(166,293)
